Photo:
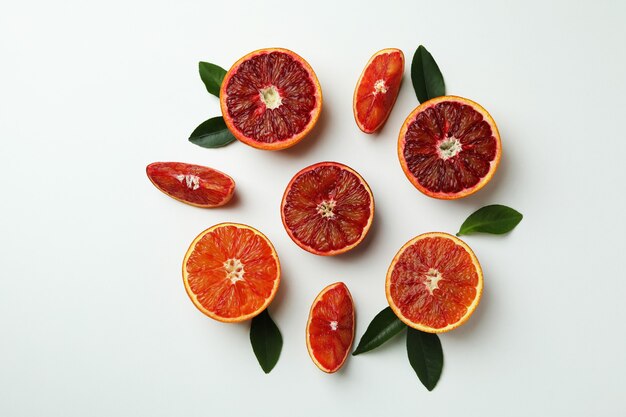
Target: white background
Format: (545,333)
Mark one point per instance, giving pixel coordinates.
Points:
(94,320)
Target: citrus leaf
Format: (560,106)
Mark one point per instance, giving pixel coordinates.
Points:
(212,133)
(496,219)
(266,340)
(384,326)
(425,356)
(212,75)
(426,76)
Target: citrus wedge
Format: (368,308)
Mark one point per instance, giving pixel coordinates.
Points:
(330,328)
(192,184)
(377,89)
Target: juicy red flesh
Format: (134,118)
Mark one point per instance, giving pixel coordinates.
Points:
(193,184)
(350,214)
(445,120)
(456,288)
(209,280)
(249,113)
(373,105)
(331,327)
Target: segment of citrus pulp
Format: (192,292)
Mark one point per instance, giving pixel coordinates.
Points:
(192,184)
(327,208)
(449,147)
(231,272)
(434,282)
(377,89)
(330,328)
(270,99)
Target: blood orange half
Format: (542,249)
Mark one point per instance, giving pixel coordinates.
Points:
(434,282)
(377,89)
(449,147)
(231,272)
(192,184)
(330,328)
(270,99)
(327,208)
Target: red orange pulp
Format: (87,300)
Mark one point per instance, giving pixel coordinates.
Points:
(327,208)
(434,282)
(330,327)
(192,184)
(449,147)
(270,99)
(231,272)
(377,89)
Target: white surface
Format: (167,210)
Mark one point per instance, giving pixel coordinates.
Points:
(94,319)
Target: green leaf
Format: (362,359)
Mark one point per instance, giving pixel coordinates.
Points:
(425,356)
(426,76)
(212,133)
(266,340)
(212,75)
(384,326)
(495,219)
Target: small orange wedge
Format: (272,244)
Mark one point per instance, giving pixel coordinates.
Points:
(377,89)
(330,328)
(195,185)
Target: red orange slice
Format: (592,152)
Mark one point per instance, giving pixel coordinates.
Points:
(434,282)
(330,328)
(270,99)
(231,272)
(192,184)
(449,147)
(377,89)
(327,208)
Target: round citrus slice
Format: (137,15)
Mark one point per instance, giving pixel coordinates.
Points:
(270,99)
(377,89)
(449,147)
(192,184)
(330,328)
(327,208)
(231,272)
(434,283)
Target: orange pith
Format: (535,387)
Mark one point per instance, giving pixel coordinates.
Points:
(195,185)
(449,147)
(270,99)
(327,208)
(330,327)
(434,282)
(377,89)
(231,272)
